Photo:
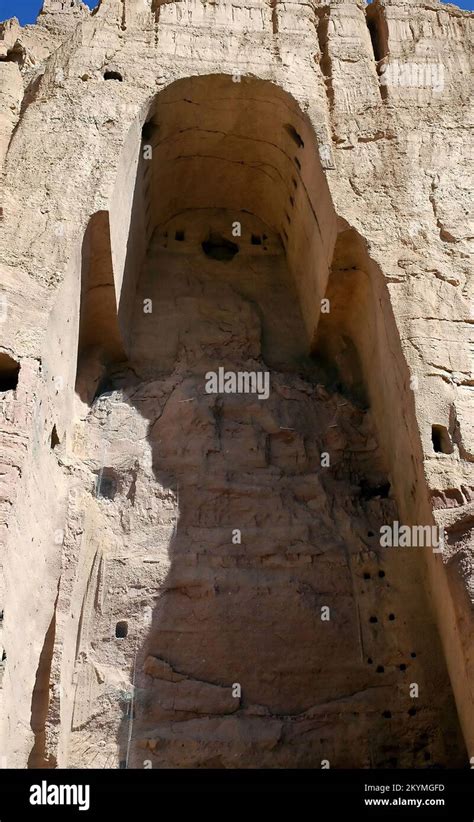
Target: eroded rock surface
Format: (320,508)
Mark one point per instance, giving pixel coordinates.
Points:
(197,579)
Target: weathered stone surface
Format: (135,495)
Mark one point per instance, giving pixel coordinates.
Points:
(159,669)
(185,577)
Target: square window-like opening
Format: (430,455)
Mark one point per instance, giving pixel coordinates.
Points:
(256,239)
(441,440)
(107,483)
(121,629)
(179,236)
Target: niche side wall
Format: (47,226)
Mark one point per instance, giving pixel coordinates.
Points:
(362,310)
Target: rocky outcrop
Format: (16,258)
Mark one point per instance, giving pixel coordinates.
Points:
(193,576)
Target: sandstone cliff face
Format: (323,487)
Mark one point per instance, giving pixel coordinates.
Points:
(193,578)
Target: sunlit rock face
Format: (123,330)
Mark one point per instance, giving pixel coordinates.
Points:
(236,457)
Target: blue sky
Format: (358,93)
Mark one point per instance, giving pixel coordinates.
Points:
(27,10)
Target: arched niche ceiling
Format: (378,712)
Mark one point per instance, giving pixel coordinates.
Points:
(243,146)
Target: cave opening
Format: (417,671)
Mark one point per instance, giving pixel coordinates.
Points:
(378,31)
(54,438)
(121,629)
(441,440)
(113,75)
(9,373)
(217,247)
(107,483)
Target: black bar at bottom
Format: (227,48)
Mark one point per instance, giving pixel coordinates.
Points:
(95,794)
